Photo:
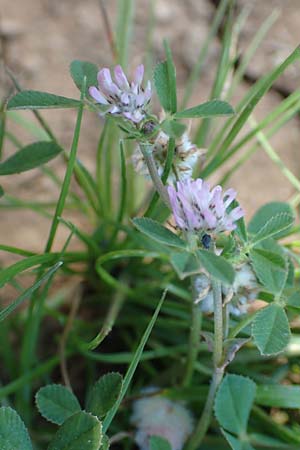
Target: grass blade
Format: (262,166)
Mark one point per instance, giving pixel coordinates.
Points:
(133,365)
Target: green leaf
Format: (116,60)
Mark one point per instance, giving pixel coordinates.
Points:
(133,365)
(104,442)
(10,272)
(1,191)
(28,292)
(217,266)
(80,431)
(185,264)
(270,330)
(240,230)
(158,232)
(278,396)
(173,128)
(29,157)
(294,301)
(271,443)
(270,268)
(208,109)
(265,213)
(81,69)
(13,433)
(56,403)
(233,403)
(235,443)
(276,224)
(40,100)
(171,78)
(165,83)
(104,394)
(159,443)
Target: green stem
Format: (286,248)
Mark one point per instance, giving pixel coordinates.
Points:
(146,150)
(205,418)
(204,421)
(195,330)
(67,179)
(218,323)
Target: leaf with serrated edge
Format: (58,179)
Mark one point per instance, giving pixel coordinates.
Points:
(233,403)
(13,433)
(270,330)
(78,432)
(265,213)
(212,108)
(158,232)
(275,225)
(104,394)
(40,100)
(270,275)
(56,403)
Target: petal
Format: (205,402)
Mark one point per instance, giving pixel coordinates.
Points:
(121,78)
(96,94)
(138,75)
(229,196)
(107,86)
(148,92)
(236,213)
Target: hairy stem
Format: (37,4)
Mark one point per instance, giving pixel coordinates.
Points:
(146,150)
(205,418)
(195,329)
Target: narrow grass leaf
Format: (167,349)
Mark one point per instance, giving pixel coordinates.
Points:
(68,174)
(80,431)
(271,330)
(171,78)
(28,292)
(233,403)
(13,433)
(56,403)
(158,232)
(133,365)
(104,394)
(10,272)
(29,157)
(40,100)
(126,9)
(278,396)
(249,103)
(211,108)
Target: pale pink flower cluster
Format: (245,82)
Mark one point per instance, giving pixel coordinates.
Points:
(197,208)
(121,97)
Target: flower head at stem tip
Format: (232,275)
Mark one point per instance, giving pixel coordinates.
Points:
(122,98)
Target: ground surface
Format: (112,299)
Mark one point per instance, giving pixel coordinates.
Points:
(41,37)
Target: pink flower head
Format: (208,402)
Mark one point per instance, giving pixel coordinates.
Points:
(197,208)
(121,97)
